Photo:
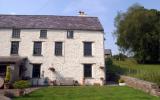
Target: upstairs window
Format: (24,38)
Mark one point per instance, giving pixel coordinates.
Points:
(14,47)
(43,34)
(70,34)
(87,48)
(58,48)
(36,70)
(37,49)
(16,33)
(87,70)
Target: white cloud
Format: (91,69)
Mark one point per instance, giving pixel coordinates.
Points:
(13,13)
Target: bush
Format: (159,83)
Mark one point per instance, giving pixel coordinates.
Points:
(121,81)
(108,61)
(8,74)
(21,84)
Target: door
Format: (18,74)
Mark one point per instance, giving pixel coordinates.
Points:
(3,70)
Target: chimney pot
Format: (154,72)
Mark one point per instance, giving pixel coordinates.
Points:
(82,13)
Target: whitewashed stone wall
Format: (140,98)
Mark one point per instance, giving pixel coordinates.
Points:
(70,64)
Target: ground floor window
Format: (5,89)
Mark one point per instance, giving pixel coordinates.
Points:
(3,70)
(87,70)
(36,70)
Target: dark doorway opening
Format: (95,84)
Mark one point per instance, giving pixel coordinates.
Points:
(3,70)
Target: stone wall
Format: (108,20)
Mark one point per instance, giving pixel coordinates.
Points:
(145,86)
(14,92)
(70,64)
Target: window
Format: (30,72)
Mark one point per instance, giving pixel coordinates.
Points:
(36,70)
(70,34)
(3,70)
(16,33)
(14,47)
(37,49)
(87,48)
(43,34)
(87,70)
(58,48)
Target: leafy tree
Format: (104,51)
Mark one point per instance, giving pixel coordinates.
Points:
(138,31)
(120,56)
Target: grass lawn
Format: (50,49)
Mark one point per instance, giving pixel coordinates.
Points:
(148,72)
(87,93)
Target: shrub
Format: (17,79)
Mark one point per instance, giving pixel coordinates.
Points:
(21,84)
(8,74)
(121,81)
(108,61)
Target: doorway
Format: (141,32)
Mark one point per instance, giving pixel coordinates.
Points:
(3,69)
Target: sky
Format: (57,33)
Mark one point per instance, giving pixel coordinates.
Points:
(106,10)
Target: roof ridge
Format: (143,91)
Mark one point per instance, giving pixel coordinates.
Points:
(47,15)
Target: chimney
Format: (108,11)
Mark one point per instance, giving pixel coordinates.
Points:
(82,13)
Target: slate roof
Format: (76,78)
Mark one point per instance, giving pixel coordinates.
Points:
(50,22)
(107,52)
(8,59)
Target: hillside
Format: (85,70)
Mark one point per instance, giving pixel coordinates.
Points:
(130,67)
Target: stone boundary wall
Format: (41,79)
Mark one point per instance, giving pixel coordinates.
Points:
(14,92)
(4,98)
(148,87)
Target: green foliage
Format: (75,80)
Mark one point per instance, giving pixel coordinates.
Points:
(111,70)
(121,81)
(138,31)
(21,84)
(131,68)
(8,74)
(120,56)
(108,61)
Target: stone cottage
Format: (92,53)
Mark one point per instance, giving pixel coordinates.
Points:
(52,49)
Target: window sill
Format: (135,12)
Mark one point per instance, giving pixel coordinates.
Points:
(43,37)
(37,55)
(14,54)
(15,39)
(88,78)
(59,55)
(89,56)
(70,38)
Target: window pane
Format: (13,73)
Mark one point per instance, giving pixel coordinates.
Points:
(87,48)
(70,34)
(58,48)
(43,34)
(16,33)
(14,47)
(87,70)
(36,70)
(37,48)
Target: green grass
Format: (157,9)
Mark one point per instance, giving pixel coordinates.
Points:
(148,72)
(88,93)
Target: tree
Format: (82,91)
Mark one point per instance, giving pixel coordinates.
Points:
(8,74)
(120,57)
(138,31)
